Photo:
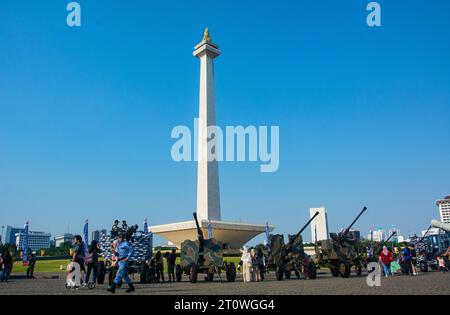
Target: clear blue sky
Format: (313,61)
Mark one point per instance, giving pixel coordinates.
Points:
(86,114)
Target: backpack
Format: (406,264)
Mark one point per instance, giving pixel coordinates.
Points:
(89,259)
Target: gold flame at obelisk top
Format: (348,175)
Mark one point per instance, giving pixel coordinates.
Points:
(206,36)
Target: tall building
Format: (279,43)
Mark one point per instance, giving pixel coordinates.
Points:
(378,235)
(444,209)
(10,235)
(61,239)
(319,226)
(36,240)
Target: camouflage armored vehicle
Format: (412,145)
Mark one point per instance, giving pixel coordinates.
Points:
(341,253)
(291,257)
(203,256)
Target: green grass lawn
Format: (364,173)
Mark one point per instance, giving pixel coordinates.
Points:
(53,266)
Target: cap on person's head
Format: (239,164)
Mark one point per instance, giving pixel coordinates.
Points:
(116,221)
(384,247)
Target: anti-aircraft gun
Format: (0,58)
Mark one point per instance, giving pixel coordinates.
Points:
(203,256)
(341,252)
(291,257)
(427,250)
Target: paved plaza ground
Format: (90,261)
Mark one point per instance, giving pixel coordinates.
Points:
(425,283)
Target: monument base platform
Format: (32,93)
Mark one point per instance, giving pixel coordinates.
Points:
(232,234)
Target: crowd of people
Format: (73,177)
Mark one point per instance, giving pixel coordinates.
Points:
(406,260)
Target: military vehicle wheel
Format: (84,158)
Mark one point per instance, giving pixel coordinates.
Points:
(178,273)
(279,273)
(287,274)
(312,271)
(344,269)
(193,273)
(334,271)
(230,271)
(209,276)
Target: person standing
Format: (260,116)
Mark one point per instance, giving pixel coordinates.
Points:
(31,265)
(406,258)
(7,267)
(159,266)
(124,252)
(115,228)
(256,265)
(413,259)
(246,261)
(385,259)
(124,227)
(171,265)
(260,260)
(78,253)
(92,262)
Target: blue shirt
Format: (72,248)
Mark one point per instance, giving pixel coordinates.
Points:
(124,250)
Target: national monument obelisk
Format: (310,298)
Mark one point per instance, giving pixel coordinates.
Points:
(208,192)
(231,234)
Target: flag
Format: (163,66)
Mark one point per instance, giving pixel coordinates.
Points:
(86,239)
(267,234)
(145,227)
(25,245)
(210,229)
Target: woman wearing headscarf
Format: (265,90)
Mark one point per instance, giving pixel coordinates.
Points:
(385,258)
(246,260)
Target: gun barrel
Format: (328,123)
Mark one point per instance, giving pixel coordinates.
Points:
(393,233)
(302,229)
(441,225)
(426,233)
(199,230)
(354,221)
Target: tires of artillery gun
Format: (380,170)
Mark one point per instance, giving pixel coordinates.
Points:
(209,276)
(297,274)
(193,273)
(279,273)
(358,270)
(334,271)
(178,273)
(344,269)
(230,271)
(287,274)
(312,271)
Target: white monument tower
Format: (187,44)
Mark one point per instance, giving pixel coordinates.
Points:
(208,193)
(231,234)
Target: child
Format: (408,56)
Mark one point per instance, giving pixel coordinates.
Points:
(442,264)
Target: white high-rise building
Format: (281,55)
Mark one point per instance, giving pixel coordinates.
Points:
(377,235)
(319,226)
(444,209)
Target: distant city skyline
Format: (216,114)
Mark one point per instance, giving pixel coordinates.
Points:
(87,113)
